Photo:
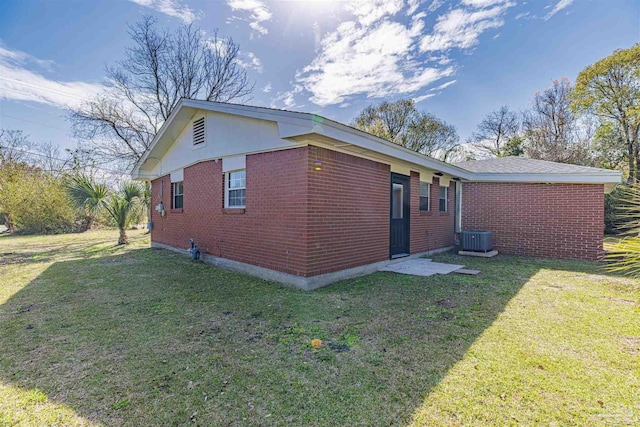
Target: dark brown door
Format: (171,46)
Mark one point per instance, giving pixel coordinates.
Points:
(399,233)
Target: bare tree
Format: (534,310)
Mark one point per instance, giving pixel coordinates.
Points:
(51,159)
(15,147)
(401,123)
(495,131)
(552,131)
(144,88)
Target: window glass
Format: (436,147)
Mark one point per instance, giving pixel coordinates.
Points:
(396,201)
(443,199)
(178,195)
(236,189)
(425,188)
(237,179)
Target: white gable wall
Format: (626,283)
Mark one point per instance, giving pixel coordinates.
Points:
(225,136)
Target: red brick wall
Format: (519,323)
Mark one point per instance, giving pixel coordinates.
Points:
(297,220)
(432,229)
(270,232)
(348,219)
(541,220)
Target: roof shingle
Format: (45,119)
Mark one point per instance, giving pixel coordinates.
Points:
(531,166)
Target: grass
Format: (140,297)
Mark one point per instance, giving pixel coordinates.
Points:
(96,334)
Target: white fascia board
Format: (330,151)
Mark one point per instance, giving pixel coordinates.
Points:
(135,173)
(289,130)
(344,133)
(585,178)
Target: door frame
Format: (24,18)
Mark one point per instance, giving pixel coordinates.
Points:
(405,181)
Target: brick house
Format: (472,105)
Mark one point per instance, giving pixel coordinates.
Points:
(304,200)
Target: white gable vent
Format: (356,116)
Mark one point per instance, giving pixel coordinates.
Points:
(198,131)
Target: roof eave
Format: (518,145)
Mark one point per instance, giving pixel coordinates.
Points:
(585,178)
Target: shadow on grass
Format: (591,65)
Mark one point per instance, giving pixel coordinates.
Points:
(149,338)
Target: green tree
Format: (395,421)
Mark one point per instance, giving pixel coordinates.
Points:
(401,123)
(513,147)
(609,147)
(610,88)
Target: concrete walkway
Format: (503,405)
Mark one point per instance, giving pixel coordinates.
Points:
(421,267)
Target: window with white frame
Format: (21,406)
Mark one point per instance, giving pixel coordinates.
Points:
(235,189)
(443,199)
(177,195)
(425,188)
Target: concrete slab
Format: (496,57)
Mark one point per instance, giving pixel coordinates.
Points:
(421,267)
(305,283)
(479,254)
(467,271)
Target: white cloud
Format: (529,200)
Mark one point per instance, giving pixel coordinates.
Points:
(435,5)
(286,99)
(461,28)
(252,62)
(21,84)
(483,3)
(412,6)
(370,55)
(423,97)
(377,53)
(258,13)
(562,4)
(444,85)
(267,88)
(17,56)
(370,11)
(172,8)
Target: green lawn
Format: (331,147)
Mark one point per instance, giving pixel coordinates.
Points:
(93,334)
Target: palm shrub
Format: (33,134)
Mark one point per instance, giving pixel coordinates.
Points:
(88,195)
(625,256)
(121,205)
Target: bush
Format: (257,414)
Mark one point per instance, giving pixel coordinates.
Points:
(35,202)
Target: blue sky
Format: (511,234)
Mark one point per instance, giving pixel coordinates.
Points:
(459,59)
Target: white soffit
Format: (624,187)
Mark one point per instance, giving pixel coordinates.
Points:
(426,177)
(402,170)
